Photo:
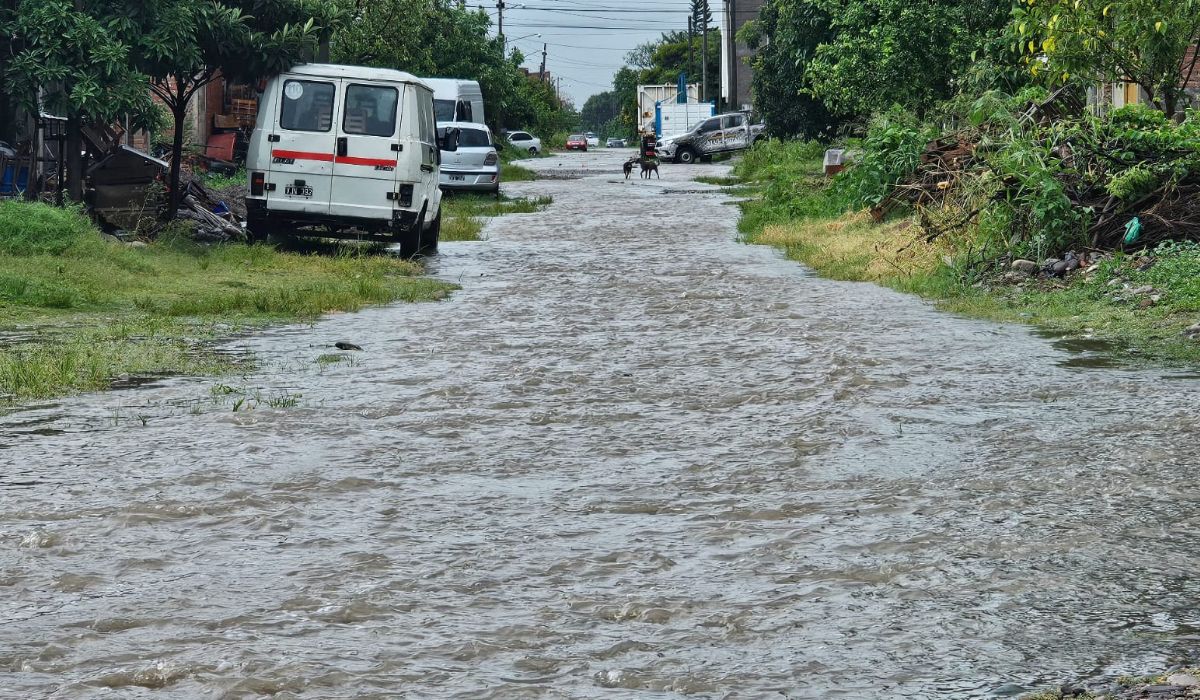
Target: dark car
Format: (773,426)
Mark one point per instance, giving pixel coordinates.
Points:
(577,142)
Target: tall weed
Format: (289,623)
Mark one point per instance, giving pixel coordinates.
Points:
(32,228)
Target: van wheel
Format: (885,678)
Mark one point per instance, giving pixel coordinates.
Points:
(260,231)
(410,241)
(432,234)
(532,151)
(686,156)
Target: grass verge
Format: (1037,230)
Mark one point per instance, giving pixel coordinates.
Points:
(463,213)
(511,172)
(794,208)
(79,311)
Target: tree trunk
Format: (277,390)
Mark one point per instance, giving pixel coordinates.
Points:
(1170,102)
(74,159)
(179,112)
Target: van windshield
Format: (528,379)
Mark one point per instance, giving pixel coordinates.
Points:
(443,110)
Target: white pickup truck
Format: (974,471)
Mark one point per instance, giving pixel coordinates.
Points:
(720,134)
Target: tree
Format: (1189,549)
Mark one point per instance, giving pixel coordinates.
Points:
(1146,42)
(66,59)
(702,16)
(183,45)
(906,52)
(786,37)
(442,39)
(599,110)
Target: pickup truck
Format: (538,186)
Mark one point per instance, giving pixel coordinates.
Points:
(720,134)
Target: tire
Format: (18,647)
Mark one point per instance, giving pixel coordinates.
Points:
(532,151)
(260,230)
(429,240)
(686,156)
(410,241)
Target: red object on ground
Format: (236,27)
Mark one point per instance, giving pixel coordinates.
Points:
(220,146)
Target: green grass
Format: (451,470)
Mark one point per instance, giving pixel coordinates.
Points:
(79,311)
(462,212)
(510,172)
(222,182)
(718,180)
(461,228)
(793,207)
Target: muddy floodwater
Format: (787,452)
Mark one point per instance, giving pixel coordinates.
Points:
(631,458)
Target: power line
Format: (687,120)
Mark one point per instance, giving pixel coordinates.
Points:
(613,28)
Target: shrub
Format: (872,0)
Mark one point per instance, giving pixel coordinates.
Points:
(891,150)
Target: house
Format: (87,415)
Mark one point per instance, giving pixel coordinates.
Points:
(1121,93)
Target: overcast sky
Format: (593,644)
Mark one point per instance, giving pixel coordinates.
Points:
(586,40)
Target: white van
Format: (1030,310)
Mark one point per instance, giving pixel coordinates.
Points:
(456,100)
(352,149)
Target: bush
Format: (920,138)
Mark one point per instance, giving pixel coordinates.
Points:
(32,228)
(891,150)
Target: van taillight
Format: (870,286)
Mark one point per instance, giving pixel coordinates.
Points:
(258,184)
(491,159)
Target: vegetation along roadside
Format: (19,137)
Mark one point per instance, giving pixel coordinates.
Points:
(80,310)
(988,218)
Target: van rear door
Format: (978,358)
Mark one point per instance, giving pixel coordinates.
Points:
(367,146)
(302,144)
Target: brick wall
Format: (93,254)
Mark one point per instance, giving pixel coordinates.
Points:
(1194,82)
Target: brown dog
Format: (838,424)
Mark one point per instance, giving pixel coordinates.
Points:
(628,167)
(650,165)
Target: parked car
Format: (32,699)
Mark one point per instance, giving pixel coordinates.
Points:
(475,166)
(615,143)
(525,141)
(592,139)
(352,149)
(720,134)
(577,142)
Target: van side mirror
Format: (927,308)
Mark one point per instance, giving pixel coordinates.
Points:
(449,141)
(498,146)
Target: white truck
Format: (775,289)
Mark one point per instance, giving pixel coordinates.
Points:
(676,118)
(456,100)
(351,150)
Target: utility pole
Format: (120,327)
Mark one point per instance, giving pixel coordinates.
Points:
(704,55)
(542,75)
(504,55)
(691,53)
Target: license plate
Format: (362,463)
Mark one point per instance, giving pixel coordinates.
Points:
(293,191)
(458,178)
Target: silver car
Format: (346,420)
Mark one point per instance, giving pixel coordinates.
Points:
(475,166)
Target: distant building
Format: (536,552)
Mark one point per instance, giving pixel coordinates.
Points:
(1104,96)
(735,67)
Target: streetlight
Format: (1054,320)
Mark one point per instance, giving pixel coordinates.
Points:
(525,37)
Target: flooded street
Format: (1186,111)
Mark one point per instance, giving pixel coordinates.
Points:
(632,457)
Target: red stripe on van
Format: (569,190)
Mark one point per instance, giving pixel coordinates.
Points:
(329,157)
(303,155)
(351,160)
